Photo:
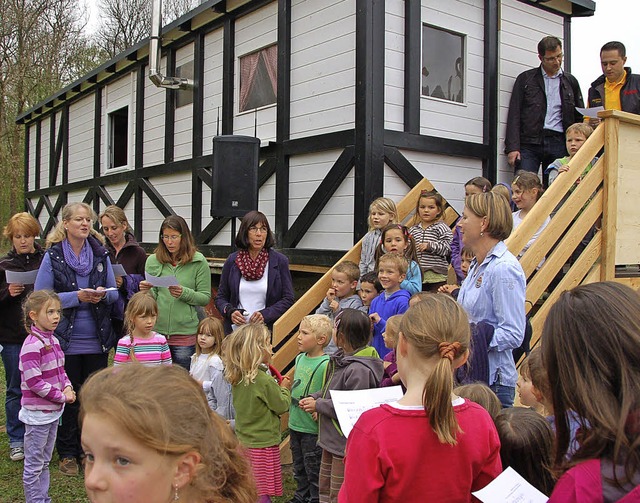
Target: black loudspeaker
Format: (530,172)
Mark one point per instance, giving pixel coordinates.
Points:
(235,175)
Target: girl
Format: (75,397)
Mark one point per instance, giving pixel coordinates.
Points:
(593,361)
(396,238)
(382,212)
(354,366)
(526,444)
(390,336)
(207,367)
(528,393)
(142,344)
(433,240)
(526,189)
(260,401)
(149,436)
(45,389)
(385,457)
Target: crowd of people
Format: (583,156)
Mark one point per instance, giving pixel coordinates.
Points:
(191,409)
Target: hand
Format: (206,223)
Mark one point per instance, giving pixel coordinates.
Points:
(145,286)
(513,157)
(256,317)
(308,404)
(85,296)
(175,291)
(334,305)
(422,247)
(375,317)
(69,394)
(237,318)
(15,289)
(395,378)
(563,169)
(594,122)
(314,416)
(447,289)
(331,294)
(286,383)
(119,281)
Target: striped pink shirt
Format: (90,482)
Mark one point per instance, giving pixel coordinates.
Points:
(152,351)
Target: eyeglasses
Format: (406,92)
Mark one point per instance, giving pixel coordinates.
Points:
(171,238)
(258,230)
(551,59)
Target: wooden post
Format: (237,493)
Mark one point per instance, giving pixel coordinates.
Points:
(610,202)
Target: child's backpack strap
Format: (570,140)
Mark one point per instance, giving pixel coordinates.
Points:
(306,389)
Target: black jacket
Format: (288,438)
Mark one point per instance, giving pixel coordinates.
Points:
(528,107)
(629,93)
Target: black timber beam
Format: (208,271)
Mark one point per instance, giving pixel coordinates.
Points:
(156,198)
(138,149)
(170,110)
(65,144)
(490,108)
(53,169)
(197,131)
(318,143)
(412,65)
(436,145)
(228,65)
(402,167)
(97,130)
(25,159)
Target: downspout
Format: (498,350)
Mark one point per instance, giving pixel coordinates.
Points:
(155,48)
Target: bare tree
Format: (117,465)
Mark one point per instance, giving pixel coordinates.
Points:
(124,23)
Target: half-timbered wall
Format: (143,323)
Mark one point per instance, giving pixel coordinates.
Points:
(212,107)
(154,127)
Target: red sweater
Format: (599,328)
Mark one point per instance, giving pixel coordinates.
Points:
(394,455)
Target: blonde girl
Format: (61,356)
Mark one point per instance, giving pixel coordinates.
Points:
(142,344)
(385,455)
(433,240)
(396,238)
(382,212)
(259,401)
(45,389)
(207,367)
(526,190)
(149,435)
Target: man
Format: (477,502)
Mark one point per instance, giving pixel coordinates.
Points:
(543,105)
(617,88)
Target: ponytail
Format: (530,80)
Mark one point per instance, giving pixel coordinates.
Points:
(132,348)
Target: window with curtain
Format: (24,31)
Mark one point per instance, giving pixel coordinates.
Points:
(443,69)
(258,78)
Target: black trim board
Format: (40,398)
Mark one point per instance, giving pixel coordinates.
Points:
(228,77)
(197,131)
(412,64)
(138,149)
(97,129)
(491,90)
(436,145)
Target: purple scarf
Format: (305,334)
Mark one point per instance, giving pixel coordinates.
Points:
(81,264)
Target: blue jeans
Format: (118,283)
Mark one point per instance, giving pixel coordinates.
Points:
(506,394)
(531,156)
(15,428)
(306,465)
(181,355)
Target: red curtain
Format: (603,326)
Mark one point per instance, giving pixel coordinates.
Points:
(248,67)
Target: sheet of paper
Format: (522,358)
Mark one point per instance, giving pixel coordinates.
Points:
(162,281)
(590,112)
(350,405)
(21,278)
(118,270)
(91,290)
(510,487)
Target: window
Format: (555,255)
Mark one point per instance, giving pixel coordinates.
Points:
(258,78)
(118,137)
(443,71)
(184,96)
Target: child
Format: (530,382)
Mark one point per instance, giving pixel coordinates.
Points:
(466,256)
(593,361)
(142,344)
(314,334)
(207,367)
(397,239)
(382,212)
(45,389)
(392,270)
(259,401)
(149,436)
(526,444)
(527,189)
(433,240)
(390,337)
(529,395)
(430,445)
(576,135)
(342,294)
(481,394)
(354,366)
(370,287)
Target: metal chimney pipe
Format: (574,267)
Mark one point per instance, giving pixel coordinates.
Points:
(155,54)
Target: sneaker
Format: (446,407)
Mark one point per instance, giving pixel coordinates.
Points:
(16,454)
(68,466)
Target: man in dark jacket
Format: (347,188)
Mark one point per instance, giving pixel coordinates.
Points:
(543,105)
(617,88)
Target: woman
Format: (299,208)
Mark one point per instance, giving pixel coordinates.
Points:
(255,285)
(176,255)
(124,250)
(76,266)
(494,290)
(25,255)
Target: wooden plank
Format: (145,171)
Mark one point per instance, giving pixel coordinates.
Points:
(630,282)
(610,202)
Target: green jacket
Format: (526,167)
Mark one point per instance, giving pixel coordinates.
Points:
(179,316)
(258,407)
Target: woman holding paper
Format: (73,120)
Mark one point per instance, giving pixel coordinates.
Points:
(124,250)
(76,266)
(25,256)
(177,259)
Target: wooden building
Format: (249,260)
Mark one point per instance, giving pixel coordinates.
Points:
(351,100)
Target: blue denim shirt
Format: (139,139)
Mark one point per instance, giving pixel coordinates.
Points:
(494,292)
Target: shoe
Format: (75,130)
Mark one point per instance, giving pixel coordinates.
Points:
(16,454)
(68,466)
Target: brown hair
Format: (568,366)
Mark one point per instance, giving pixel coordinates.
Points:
(214,327)
(164,409)
(467,252)
(349,269)
(393,327)
(549,43)
(581,127)
(141,304)
(426,326)
(481,182)
(538,374)
(354,326)
(526,180)
(36,301)
(249,220)
(591,351)
(409,253)
(481,394)
(397,261)
(117,215)
(497,210)
(21,223)
(437,198)
(187,249)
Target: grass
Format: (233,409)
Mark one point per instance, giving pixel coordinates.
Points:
(63,489)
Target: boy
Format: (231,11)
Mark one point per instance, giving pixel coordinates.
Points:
(314,334)
(576,135)
(370,287)
(341,295)
(466,256)
(392,269)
